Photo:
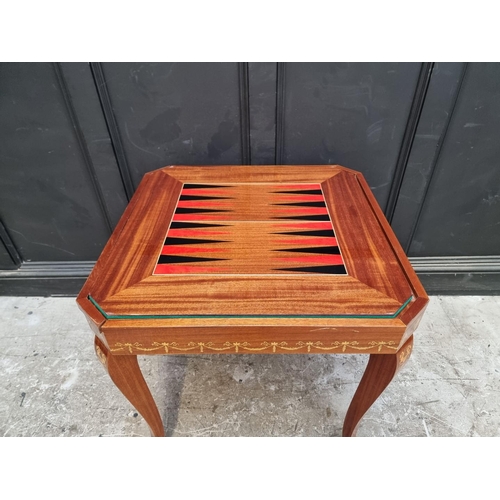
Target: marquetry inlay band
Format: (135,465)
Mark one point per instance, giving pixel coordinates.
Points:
(340,346)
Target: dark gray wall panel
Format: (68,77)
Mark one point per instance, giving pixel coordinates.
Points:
(47,202)
(175,113)
(83,94)
(430,133)
(262,78)
(353,114)
(461,213)
(76,139)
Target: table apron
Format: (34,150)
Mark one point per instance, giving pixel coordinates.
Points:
(257,340)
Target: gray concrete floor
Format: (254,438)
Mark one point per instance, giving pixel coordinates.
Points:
(51,383)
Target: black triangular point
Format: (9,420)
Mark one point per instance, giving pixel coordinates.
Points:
(183,259)
(320,250)
(340,269)
(182,210)
(322,233)
(322,218)
(304,191)
(189,241)
(203,186)
(193,225)
(193,197)
(319,204)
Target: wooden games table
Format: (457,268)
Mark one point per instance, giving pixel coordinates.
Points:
(253,259)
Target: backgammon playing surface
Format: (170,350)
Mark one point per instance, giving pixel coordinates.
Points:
(259,228)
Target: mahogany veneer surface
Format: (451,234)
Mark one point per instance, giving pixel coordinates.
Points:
(253,259)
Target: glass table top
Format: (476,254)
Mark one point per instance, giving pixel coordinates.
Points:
(260,244)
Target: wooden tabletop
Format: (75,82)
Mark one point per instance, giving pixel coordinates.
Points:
(248,246)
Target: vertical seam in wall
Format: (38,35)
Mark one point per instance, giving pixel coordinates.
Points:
(10,245)
(436,158)
(114,132)
(280,114)
(82,144)
(244,96)
(408,137)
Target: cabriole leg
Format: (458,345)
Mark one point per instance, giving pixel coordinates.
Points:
(381,369)
(127,376)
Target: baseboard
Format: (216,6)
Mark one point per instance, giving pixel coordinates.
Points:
(479,275)
(439,275)
(45,279)
(481,264)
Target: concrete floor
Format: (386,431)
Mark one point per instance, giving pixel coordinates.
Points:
(51,383)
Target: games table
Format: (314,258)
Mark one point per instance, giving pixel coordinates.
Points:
(253,259)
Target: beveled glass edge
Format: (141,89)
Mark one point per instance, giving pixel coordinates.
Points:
(234,316)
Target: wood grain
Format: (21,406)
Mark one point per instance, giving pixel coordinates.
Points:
(414,282)
(93,281)
(381,369)
(250,295)
(148,336)
(252,173)
(368,254)
(130,255)
(378,335)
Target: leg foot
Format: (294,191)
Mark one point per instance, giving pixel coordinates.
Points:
(379,372)
(127,376)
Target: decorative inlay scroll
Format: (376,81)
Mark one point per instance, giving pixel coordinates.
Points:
(309,346)
(100,355)
(405,354)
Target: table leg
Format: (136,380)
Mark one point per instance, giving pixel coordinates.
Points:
(381,369)
(125,373)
